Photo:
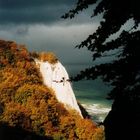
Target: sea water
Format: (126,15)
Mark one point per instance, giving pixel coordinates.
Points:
(91,94)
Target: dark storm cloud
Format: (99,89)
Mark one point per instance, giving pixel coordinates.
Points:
(37,24)
(8,4)
(33,11)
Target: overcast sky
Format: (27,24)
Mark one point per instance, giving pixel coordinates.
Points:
(37,24)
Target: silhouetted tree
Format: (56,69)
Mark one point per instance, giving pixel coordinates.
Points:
(123,73)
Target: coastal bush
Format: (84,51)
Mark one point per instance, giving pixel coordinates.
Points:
(48,56)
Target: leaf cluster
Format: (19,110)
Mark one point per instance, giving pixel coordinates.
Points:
(122,73)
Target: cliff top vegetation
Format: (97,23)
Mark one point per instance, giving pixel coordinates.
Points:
(45,56)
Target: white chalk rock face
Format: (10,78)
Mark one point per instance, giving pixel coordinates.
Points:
(56,77)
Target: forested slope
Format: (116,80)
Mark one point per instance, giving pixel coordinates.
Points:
(29,110)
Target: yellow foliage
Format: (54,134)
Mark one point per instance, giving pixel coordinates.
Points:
(99,134)
(16,115)
(48,56)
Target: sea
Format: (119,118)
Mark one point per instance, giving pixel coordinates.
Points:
(91,94)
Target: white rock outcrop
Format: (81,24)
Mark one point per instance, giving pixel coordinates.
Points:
(56,77)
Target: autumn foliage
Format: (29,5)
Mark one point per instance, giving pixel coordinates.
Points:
(27,104)
(45,56)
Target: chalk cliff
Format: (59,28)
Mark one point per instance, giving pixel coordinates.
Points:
(56,77)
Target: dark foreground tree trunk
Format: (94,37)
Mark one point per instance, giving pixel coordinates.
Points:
(123,121)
